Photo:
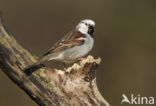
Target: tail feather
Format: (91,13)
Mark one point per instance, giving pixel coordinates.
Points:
(29,70)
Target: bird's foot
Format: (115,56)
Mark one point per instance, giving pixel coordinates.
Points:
(80,59)
(64,65)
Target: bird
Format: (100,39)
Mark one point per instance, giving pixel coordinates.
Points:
(73,46)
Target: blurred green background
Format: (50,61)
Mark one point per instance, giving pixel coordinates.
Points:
(125,39)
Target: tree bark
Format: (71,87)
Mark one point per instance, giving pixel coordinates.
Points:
(74,86)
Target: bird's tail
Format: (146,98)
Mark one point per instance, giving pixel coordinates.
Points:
(32,68)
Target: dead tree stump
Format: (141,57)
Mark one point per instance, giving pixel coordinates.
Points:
(75,86)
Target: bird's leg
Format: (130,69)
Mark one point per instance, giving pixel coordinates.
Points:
(80,59)
(64,65)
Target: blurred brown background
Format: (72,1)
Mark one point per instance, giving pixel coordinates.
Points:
(125,39)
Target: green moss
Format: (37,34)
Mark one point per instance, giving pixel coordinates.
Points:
(50,85)
(35,57)
(42,74)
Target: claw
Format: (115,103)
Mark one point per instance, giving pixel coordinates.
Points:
(80,59)
(64,65)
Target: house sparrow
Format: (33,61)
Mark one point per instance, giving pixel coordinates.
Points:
(74,45)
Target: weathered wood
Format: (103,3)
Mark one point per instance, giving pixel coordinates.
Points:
(75,86)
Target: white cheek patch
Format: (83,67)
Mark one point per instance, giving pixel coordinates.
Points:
(82,28)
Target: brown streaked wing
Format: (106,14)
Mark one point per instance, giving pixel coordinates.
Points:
(69,40)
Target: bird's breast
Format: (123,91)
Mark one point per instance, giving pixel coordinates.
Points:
(79,51)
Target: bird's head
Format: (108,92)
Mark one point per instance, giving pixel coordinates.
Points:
(86,27)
